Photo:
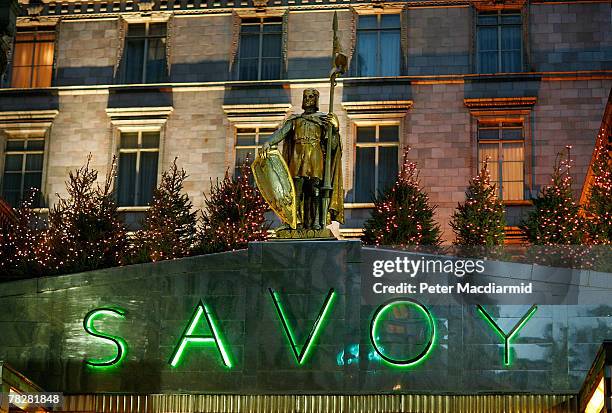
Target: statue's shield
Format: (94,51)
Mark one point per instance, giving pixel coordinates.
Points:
(276,185)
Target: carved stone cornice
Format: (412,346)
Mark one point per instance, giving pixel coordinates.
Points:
(496,103)
(498,4)
(257,112)
(369,108)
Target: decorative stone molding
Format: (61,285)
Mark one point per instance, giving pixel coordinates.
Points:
(257,112)
(122,27)
(404,38)
(35,10)
(154,116)
(235,44)
(285,40)
(169,43)
(260,3)
(353,39)
(483,103)
(484,5)
(37,122)
(146,5)
(368,109)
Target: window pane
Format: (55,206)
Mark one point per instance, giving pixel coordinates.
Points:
(23,54)
(134,60)
(13,162)
(511,18)
(248,69)
(150,139)
(512,134)
(511,61)
(34,162)
(490,152)
(364,175)
(126,182)
(390,53)
(388,133)
(511,38)
(138,29)
(487,18)
(129,140)
(513,191)
(366,53)
(488,134)
(36,144)
(156,61)
(367,22)
(157,29)
(513,152)
(270,68)
(12,182)
(32,181)
(249,46)
(22,76)
(15,144)
(272,28)
(366,134)
(271,46)
(387,167)
(265,134)
(245,139)
(390,21)
(242,154)
(487,39)
(148,176)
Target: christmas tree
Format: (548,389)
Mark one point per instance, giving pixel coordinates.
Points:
(233,215)
(169,226)
(480,219)
(556,218)
(85,232)
(21,242)
(599,202)
(402,215)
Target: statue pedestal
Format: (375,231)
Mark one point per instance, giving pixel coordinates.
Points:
(305,234)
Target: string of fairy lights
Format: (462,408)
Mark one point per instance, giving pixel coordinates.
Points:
(85,230)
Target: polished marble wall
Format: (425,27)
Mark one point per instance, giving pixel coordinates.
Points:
(42,334)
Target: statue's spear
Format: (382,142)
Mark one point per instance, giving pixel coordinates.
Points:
(339,63)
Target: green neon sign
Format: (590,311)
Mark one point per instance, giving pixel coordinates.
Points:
(188,337)
(302,355)
(512,334)
(377,322)
(118,342)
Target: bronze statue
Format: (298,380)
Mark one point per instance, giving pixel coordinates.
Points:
(304,150)
(304,185)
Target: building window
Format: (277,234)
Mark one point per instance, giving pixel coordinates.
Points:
(33,59)
(376,160)
(23,166)
(260,48)
(145,53)
(378,45)
(502,146)
(248,142)
(138,159)
(499,42)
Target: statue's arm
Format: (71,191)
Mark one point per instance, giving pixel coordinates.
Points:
(280,134)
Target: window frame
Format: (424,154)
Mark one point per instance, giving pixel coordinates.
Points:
(34,31)
(272,20)
(355,70)
(138,151)
(498,124)
(354,129)
(26,136)
(498,13)
(146,38)
(123,123)
(257,146)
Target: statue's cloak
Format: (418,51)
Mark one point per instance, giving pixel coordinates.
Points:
(336,204)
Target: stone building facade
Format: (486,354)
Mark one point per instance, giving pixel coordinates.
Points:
(457,81)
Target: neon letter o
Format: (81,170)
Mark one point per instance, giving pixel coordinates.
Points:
(374,326)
